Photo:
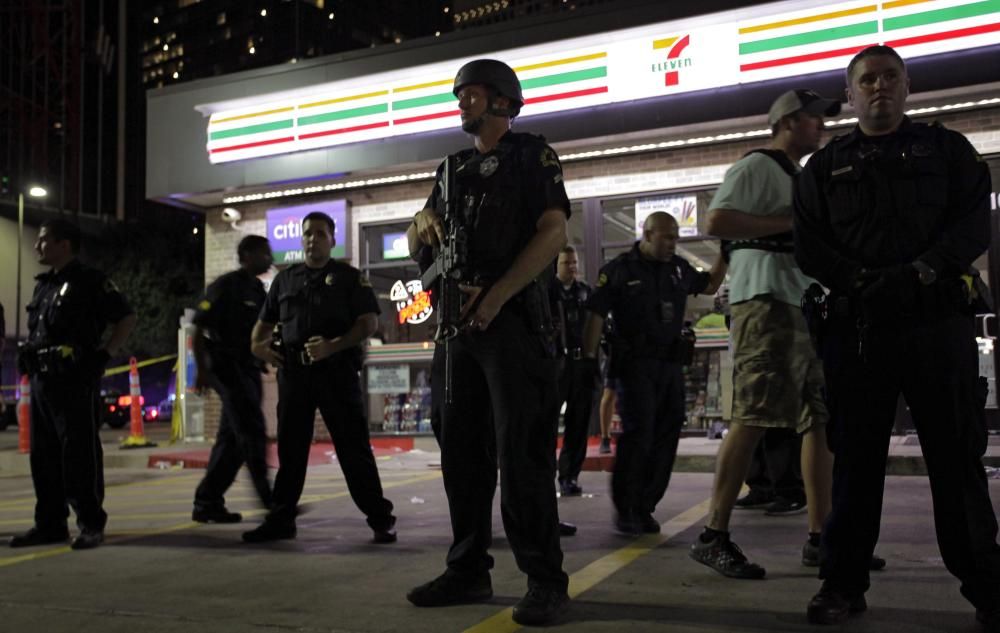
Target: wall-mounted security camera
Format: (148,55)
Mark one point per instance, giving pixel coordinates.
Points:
(231,215)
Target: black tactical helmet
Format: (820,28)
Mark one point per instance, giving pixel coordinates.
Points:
(493,73)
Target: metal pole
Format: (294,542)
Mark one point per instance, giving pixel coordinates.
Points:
(122,60)
(17,299)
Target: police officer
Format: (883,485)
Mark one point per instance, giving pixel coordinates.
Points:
(69,312)
(512,198)
(646,289)
(567,296)
(223,323)
(326,309)
(890,217)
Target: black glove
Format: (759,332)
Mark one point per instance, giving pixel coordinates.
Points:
(97,362)
(886,292)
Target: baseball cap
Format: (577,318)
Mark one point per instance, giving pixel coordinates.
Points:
(801,101)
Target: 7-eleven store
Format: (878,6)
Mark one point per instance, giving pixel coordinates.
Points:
(645,118)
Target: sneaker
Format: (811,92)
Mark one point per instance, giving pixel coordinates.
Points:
(782,506)
(754,500)
(36,536)
(605,446)
(830,606)
(540,606)
(810,554)
(215,515)
(569,488)
(725,557)
(452,588)
(88,539)
(270,531)
(648,524)
(386,534)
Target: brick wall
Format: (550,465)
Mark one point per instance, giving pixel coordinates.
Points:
(637,173)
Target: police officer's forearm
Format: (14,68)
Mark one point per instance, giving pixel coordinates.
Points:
(364,326)
(413,239)
(814,255)
(592,334)
(731,224)
(260,339)
(120,332)
(716,275)
(549,239)
(198,349)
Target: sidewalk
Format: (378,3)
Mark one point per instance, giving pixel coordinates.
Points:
(695,454)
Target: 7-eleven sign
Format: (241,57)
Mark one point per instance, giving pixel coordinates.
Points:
(675,48)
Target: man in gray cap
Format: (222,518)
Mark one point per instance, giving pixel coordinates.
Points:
(777,378)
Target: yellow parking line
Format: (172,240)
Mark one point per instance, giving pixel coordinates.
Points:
(603,567)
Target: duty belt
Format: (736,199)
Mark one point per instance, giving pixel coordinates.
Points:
(50,359)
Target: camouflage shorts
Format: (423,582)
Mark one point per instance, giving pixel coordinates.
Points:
(777,378)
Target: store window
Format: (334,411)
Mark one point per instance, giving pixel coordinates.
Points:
(395,278)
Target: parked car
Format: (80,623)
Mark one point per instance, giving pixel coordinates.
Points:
(116,409)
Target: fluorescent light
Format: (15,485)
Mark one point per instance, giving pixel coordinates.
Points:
(37,192)
(599,153)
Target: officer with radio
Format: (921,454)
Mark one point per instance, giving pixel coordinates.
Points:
(70,310)
(646,290)
(326,309)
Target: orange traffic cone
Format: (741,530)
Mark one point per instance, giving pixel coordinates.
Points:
(137,436)
(24,417)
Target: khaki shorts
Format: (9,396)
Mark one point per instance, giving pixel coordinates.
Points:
(777,378)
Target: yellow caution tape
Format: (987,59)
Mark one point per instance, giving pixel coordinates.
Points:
(111,371)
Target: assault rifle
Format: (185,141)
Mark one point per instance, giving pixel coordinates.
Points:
(448,270)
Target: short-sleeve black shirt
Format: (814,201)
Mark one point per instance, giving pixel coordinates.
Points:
(73,307)
(228,311)
(502,194)
(647,297)
(317,302)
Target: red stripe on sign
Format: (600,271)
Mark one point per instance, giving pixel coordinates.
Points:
(567,95)
(946,35)
(273,141)
(426,117)
(345,130)
(798,59)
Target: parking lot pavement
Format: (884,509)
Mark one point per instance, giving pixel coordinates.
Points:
(159,572)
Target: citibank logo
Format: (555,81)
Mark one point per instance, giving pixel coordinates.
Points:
(675,48)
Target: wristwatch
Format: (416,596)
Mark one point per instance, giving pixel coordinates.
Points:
(925,273)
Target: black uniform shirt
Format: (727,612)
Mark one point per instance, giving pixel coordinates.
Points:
(921,192)
(317,302)
(567,306)
(647,297)
(73,307)
(502,194)
(228,312)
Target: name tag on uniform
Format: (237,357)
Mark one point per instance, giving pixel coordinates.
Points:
(634,282)
(842,170)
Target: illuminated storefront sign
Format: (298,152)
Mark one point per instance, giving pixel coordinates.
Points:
(413,305)
(650,61)
(284,229)
(683,208)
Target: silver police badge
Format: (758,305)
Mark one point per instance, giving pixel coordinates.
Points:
(488,166)
(329,279)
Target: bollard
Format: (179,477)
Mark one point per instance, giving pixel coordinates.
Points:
(24,417)
(137,436)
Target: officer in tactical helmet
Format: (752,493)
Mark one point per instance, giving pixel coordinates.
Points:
(510,200)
